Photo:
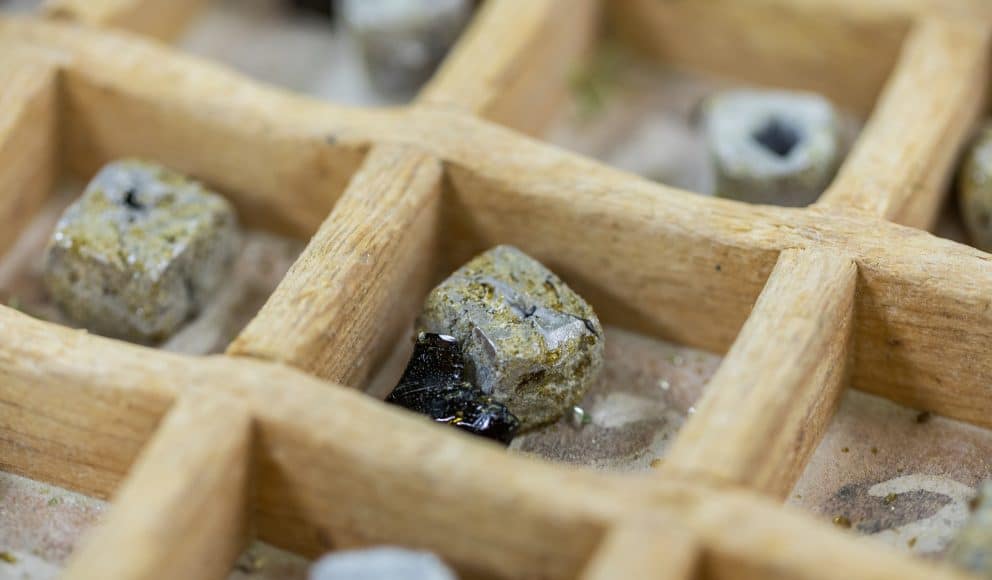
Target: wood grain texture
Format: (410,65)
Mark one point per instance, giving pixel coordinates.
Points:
(376,249)
(900,167)
(333,468)
(773,396)
(649,257)
(28,144)
(159,18)
(413,483)
(843,50)
(81,430)
(514,63)
(183,512)
(645,548)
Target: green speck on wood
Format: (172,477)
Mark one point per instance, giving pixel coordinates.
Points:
(595,81)
(55,501)
(8,557)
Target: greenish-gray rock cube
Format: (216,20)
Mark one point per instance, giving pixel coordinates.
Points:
(140,252)
(975,191)
(772,147)
(971,548)
(528,339)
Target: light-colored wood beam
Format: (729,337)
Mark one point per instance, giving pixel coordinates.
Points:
(901,165)
(513,64)
(164,19)
(843,50)
(67,414)
(649,257)
(645,548)
(408,481)
(183,511)
(377,249)
(28,135)
(768,405)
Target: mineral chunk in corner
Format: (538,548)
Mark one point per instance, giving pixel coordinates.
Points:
(433,385)
(772,147)
(971,549)
(403,41)
(140,252)
(382,563)
(528,339)
(975,191)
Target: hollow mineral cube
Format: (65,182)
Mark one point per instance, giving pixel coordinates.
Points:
(403,41)
(528,339)
(140,252)
(772,147)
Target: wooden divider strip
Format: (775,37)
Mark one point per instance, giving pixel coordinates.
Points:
(901,165)
(335,468)
(183,511)
(513,64)
(773,396)
(159,18)
(644,548)
(28,135)
(359,283)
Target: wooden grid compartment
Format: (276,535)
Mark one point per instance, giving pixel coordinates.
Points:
(205,452)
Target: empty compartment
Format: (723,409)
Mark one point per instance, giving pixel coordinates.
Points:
(43,524)
(895,474)
(277,42)
(260,261)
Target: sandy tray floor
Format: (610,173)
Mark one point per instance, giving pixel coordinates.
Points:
(897,476)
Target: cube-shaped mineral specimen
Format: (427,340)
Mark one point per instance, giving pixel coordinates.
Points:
(140,252)
(772,147)
(403,41)
(433,385)
(381,563)
(528,339)
(971,548)
(975,191)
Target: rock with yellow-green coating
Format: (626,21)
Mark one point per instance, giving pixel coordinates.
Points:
(528,339)
(971,548)
(140,252)
(975,191)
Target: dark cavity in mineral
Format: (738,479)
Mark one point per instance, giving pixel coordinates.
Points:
(432,385)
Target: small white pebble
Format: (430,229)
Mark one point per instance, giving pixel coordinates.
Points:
(384,563)
(692,411)
(664,384)
(580,417)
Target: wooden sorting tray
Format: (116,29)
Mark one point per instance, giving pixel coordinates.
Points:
(203,453)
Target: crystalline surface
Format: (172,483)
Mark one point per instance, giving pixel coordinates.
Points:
(529,340)
(432,385)
(140,252)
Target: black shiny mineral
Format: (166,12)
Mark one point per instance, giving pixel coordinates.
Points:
(321,7)
(433,385)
